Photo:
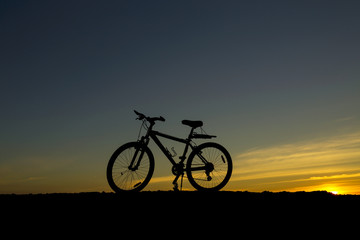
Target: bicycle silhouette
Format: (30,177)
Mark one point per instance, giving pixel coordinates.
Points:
(131,166)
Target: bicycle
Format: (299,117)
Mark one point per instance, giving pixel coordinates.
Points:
(131,166)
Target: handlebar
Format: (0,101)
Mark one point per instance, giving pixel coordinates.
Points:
(149,119)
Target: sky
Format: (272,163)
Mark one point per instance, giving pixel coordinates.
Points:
(277,81)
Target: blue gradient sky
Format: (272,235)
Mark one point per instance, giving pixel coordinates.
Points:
(262,75)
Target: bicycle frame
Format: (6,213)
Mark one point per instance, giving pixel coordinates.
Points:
(153,135)
(178,168)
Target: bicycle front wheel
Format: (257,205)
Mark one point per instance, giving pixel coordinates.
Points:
(130,168)
(209,167)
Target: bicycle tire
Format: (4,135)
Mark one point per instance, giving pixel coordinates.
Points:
(120,177)
(221,161)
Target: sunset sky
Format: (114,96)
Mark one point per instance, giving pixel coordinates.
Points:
(277,81)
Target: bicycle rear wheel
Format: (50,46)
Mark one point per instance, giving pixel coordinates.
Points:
(209,167)
(121,177)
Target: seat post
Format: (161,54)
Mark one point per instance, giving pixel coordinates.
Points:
(191,132)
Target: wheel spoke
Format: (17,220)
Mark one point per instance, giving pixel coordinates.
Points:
(214,172)
(123,178)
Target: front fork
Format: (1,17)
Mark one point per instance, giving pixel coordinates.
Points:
(134,165)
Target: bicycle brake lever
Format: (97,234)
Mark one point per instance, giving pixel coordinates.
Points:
(140,115)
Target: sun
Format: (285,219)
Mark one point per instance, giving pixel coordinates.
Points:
(333,189)
(330,188)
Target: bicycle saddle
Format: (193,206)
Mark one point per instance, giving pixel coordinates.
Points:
(193,124)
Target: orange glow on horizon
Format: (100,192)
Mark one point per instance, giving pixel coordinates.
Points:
(330,165)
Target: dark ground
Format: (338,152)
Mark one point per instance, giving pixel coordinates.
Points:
(203,214)
(176,202)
